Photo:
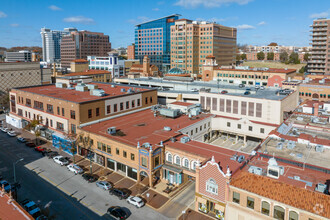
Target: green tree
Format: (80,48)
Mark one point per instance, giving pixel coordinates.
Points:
(261,55)
(294,58)
(86,142)
(284,56)
(273,44)
(270,56)
(73,138)
(306,56)
(33,124)
(238,57)
(243,56)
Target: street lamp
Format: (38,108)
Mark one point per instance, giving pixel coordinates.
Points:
(15,169)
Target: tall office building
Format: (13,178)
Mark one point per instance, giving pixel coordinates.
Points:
(80,44)
(193,41)
(152,38)
(319,62)
(51,44)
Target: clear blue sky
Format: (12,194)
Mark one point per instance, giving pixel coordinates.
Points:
(259,21)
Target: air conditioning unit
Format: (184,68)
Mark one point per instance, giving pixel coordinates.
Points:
(111,130)
(166,128)
(122,90)
(321,187)
(255,170)
(185,139)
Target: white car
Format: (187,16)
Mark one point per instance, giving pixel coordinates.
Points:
(4,129)
(74,168)
(103,185)
(60,160)
(12,133)
(262,87)
(134,200)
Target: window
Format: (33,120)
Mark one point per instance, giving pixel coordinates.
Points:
(265,208)
(73,114)
(97,111)
(115,107)
(262,130)
(108,149)
(108,109)
(228,124)
(133,103)
(250,203)
(156,161)
(125,154)
(186,163)
(146,100)
(59,126)
(89,113)
(293,215)
(177,160)
(121,106)
(117,151)
(49,108)
(99,145)
(132,156)
(236,197)
(138,102)
(144,161)
(150,99)
(239,126)
(28,102)
(211,186)
(51,121)
(279,212)
(169,157)
(73,128)
(58,110)
(250,128)
(104,147)
(62,111)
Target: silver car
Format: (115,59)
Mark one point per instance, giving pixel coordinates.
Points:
(103,185)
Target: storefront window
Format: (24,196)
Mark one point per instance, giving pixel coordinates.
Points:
(111,164)
(132,173)
(202,207)
(219,215)
(121,167)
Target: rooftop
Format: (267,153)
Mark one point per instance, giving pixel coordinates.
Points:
(173,15)
(88,72)
(267,70)
(12,210)
(79,61)
(77,96)
(182,103)
(143,127)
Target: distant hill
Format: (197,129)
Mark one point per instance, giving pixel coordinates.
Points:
(14,49)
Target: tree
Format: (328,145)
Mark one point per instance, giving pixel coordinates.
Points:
(87,143)
(284,56)
(294,58)
(243,56)
(261,55)
(270,56)
(302,69)
(73,138)
(238,57)
(306,56)
(273,44)
(33,126)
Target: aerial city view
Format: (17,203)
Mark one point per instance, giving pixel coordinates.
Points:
(157,110)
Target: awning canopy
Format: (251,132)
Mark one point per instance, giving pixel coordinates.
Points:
(172,168)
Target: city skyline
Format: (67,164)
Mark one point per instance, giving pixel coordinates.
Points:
(258,22)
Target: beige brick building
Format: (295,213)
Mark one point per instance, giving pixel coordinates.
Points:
(192,42)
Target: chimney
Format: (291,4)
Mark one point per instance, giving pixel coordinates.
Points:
(316,109)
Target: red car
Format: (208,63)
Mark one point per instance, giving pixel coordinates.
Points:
(224,92)
(40,149)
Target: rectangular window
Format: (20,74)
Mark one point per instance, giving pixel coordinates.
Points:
(58,110)
(138,102)
(214,104)
(262,130)
(108,149)
(62,111)
(89,113)
(228,124)
(127,105)
(222,105)
(228,106)
(235,107)
(236,197)
(104,147)
(50,108)
(265,208)
(132,156)
(73,128)
(250,128)
(121,106)
(156,161)
(133,104)
(258,110)
(144,161)
(250,203)
(146,100)
(99,145)
(97,111)
(117,151)
(243,108)
(150,99)
(124,154)
(51,122)
(208,103)
(251,108)
(115,107)
(59,126)
(203,102)
(73,114)
(108,109)
(239,126)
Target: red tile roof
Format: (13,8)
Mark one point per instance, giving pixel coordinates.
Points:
(143,127)
(80,61)
(77,96)
(88,73)
(12,211)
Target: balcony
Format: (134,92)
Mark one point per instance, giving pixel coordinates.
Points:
(319,43)
(316,61)
(319,38)
(318,52)
(320,34)
(319,25)
(318,57)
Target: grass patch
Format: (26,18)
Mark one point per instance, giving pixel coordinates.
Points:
(273,65)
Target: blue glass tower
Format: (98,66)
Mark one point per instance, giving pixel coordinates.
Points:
(153,38)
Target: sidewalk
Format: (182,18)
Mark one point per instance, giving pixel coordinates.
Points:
(193,215)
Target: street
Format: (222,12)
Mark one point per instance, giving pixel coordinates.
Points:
(66,195)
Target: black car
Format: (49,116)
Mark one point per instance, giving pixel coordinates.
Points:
(120,193)
(117,212)
(50,154)
(89,178)
(30,144)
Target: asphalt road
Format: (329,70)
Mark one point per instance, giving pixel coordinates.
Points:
(66,195)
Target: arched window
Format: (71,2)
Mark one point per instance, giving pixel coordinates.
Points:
(265,208)
(211,186)
(279,212)
(177,160)
(169,157)
(193,165)
(293,215)
(186,163)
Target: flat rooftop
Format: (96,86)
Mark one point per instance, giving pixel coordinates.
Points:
(78,96)
(311,120)
(143,127)
(267,70)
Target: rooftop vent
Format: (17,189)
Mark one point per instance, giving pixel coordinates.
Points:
(98,92)
(60,85)
(113,86)
(185,139)
(255,170)
(319,148)
(173,139)
(291,145)
(92,86)
(166,128)
(122,90)
(81,87)
(111,130)
(171,113)
(321,187)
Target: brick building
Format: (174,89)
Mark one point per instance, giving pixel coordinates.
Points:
(131,52)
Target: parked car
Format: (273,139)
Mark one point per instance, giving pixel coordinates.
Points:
(30,144)
(51,154)
(246,93)
(4,129)
(31,207)
(5,185)
(120,193)
(117,212)
(262,87)
(241,85)
(248,89)
(136,201)
(103,185)
(194,90)
(74,168)
(89,178)
(257,87)
(224,92)
(41,217)
(60,160)
(12,133)
(21,139)
(40,149)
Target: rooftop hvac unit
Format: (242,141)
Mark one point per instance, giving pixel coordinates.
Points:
(319,148)
(60,85)
(171,113)
(98,92)
(291,145)
(113,86)
(279,146)
(321,187)
(166,128)
(81,87)
(255,170)
(130,90)
(111,130)
(173,139)
(195,111)
(92,86)
(122,90)
(185,139)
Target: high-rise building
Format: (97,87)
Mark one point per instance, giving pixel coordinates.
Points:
(318,63)
(152,38)
(51,43)
(193,41)
(131,52)
(80,44)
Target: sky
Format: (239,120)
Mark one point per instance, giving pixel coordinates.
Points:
(259,22)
